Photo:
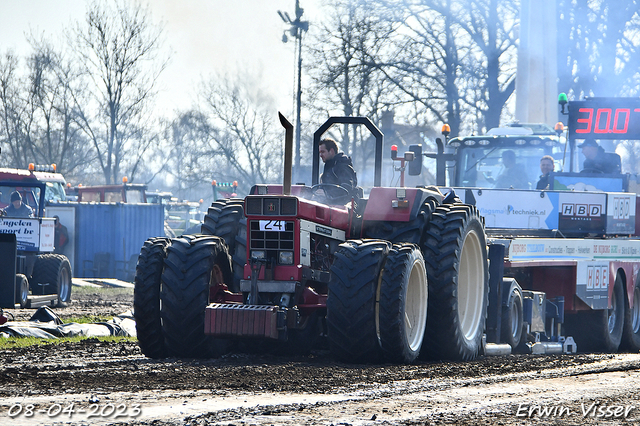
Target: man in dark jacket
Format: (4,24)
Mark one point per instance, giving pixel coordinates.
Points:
(17,208)
(338,168)
(596,160)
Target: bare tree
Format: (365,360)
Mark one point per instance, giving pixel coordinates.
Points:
(16,113)
(53,86)
(344,72)
(119,48)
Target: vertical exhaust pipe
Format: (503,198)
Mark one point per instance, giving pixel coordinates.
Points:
(288,153)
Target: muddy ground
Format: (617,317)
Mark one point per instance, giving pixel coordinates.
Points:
(113,383)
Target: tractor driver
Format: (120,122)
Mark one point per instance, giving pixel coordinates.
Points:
(17,208)
(338,168)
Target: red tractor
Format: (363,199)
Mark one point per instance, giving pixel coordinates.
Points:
(399,274)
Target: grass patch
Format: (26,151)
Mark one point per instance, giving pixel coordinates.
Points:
(88,319)
(25,342)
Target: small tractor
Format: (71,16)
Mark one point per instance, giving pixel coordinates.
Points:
(32,275)
(399,274)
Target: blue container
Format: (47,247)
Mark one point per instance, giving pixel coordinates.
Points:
(107,237)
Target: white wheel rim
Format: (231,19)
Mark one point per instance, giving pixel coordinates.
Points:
(415,308)
(471,286)
(24,291)
(635,312)
(64,284)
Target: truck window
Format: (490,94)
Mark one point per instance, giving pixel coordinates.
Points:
(134,196)
(113,197)
(54,191)
(479,167)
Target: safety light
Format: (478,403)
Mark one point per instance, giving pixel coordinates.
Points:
(124,179)
(55,168)
(201,201)
(446,129)
(562,98)
(286,258)
(235,183)
(214,183)
(559,128)
(394,151)
(258,254)
(32,167)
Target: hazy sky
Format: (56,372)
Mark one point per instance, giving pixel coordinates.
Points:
(203,35)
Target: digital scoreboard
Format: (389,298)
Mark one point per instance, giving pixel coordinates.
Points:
(605,118)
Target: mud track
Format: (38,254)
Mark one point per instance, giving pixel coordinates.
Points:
(99,383)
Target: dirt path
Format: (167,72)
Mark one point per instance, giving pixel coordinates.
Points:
(99,383)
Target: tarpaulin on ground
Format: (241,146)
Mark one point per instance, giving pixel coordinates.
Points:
(46,324)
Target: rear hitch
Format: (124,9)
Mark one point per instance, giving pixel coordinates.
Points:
(256,266)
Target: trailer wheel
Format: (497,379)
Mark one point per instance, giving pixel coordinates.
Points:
(52,275)
(512,329)
(631,333)
(146,297)
(455,253)
(22,290)
(402,304)
(225,219)
(601,330)
(354,282)
(193,264)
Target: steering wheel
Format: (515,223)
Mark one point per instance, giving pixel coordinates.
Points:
(591,170)
(329,192)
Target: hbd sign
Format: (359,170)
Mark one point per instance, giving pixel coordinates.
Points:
(581,210)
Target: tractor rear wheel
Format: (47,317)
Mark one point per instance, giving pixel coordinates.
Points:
(146,297)
(455,253)
(351,303)
(22,291)
(600,330)
(52,275)
(402,304)
(193,264)
(631,333)
(403,232)
(225,219)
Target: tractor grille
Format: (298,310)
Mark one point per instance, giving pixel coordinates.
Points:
(271,240)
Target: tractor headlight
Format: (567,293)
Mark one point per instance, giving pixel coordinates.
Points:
(286,258)
(258,254)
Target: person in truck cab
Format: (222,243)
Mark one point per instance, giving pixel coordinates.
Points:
(513,175)
(338,168)
(546,167)
(17,208)
(598,161)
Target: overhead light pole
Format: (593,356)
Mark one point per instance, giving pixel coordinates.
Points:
(296,29)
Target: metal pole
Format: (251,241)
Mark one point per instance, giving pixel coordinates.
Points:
(298,105)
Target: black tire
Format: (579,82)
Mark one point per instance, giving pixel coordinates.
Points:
(455,253)
(52,275)
(225,219)
(600,330)
(631,329)
(146,297)
(351,303)
(403,232)
(403,304)
(184,293)
(512,329)
(22,291)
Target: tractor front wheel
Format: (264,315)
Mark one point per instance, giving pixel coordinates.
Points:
(351,303)
(193,264)
(402,304)
(146,297)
